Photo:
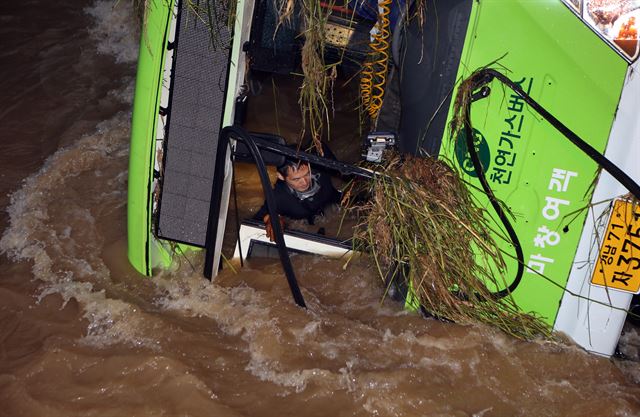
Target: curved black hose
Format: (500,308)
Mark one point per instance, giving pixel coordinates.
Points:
(477,165)
(240,134)
(590,151)
(486,75)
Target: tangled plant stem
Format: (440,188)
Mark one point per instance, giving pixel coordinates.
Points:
(318,77)
(423,217)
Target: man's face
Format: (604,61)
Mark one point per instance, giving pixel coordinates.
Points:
(299,178)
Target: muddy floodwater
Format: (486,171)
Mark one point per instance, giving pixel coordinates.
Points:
(81,334)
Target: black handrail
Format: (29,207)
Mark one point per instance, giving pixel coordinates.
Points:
(332,164)
(214,208)
(254,145)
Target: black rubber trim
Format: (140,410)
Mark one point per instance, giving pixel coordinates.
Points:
(147,253)
(165,136)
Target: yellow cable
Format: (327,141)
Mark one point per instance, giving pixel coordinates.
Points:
(374,72)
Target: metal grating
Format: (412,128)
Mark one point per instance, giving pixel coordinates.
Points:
(196,108)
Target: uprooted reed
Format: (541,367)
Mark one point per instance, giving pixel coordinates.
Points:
(318,77)
(422,225)
(218,16)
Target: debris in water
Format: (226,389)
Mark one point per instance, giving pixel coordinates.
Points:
(425,230)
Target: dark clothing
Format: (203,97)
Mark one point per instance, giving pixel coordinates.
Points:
(290,205)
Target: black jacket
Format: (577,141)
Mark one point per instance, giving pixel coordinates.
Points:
(291,206)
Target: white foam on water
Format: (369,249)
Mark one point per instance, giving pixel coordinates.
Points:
(481,413)
(68,261)
(630,343)
(63,242)
(115,29)
(125,94)
(370,364)
(28,209)
(243,311)
(359,361)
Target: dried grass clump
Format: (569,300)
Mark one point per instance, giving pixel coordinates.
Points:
(318,77)
(422,217)
(464,98)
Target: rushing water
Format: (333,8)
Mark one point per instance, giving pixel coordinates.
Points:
(82,334)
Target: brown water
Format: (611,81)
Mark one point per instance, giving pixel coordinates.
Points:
(81,334)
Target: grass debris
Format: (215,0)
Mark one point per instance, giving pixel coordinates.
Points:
(423,226)
(318,77)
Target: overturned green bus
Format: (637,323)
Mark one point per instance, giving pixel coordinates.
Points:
(578,265)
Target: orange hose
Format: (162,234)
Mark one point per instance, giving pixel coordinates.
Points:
(374,72)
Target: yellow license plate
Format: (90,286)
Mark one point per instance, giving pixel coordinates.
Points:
(618,264)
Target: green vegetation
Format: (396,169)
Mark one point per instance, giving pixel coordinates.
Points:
(423,226)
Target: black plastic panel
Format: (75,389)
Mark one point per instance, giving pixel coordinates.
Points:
(429,63)
(196,108)
(274,46)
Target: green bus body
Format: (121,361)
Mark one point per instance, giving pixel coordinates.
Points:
(553,53)
(142,248)
(578,78)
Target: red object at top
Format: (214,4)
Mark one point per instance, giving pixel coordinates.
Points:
(339,9)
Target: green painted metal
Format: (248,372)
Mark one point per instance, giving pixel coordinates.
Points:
(576,76)
(141,246)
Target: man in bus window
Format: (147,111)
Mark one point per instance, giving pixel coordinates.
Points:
(301,192)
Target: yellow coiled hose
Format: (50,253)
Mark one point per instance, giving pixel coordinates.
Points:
(374,71)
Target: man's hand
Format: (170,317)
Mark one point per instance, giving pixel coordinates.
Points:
(269,226)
